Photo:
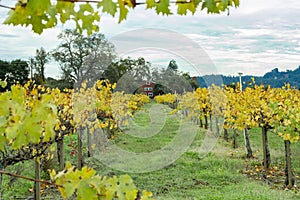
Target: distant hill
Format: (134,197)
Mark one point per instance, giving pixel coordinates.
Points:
(274,78)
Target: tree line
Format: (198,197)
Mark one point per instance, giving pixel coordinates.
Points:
(89,58)
(274,78)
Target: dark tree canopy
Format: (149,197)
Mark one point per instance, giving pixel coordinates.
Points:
(173,66)
(16,71)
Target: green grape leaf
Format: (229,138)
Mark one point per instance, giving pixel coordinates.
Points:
(3,84)
(18,94)
(70,183)
(223,5)
(211,6)
(32,129)
(18,16)
(38,7)
(34,13)
(87,172)
(108,6)
(236,2)
(3,122)
(4,109)
(126,184)
(225,2)
(110,187)
(52,21)
(45,14)
(50,123)
(87,20)
(131,194)
(85,191)
(96,182)
(150,4)
(3,140)
(123,11)
(12,131)
(20,138)
(87,185)
(163,7)
(65,9)
(183,6)
(37,25)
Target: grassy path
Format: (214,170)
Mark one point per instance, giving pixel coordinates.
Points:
(216,176)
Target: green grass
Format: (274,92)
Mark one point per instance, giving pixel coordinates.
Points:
(14,188)
(216,176)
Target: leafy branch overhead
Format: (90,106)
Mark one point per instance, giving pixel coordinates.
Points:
(44,14)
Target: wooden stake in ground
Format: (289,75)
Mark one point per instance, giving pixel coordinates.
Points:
(89,143)
(290,179)
(79,144)
(37,185)
(266,151)
(247,143)
(60,153)
(235,145)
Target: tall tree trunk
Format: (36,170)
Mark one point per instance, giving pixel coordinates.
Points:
(89,143)
(60,153)
(266,151)
(79,141)
(290,179)
(225,134)
(235,144)
(206,122)
(37,185)
(247,144)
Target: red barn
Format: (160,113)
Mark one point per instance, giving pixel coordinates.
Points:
(148,88)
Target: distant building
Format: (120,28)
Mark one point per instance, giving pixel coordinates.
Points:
(148,88)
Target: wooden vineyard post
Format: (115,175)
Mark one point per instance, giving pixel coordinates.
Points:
(290,179)
(37,185)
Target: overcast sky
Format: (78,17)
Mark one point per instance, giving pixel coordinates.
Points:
(255,38)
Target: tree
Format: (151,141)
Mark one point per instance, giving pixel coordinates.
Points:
(128,73)
(118,68)
(4,69)
(47,14)
(194,83)
(16,71)
(173,66)
(81,57)
(38,64)
(176,81)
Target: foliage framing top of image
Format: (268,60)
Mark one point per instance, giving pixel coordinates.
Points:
(44,14)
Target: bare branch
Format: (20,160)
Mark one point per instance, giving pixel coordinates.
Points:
(30,179)
(3,6)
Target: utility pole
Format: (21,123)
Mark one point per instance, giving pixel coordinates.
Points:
(241,87)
